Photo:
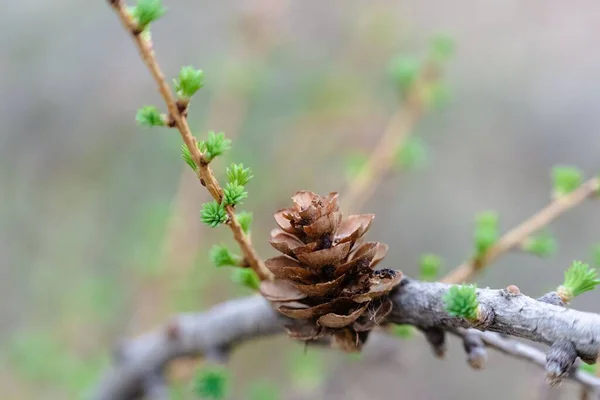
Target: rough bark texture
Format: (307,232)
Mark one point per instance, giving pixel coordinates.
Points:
(417,303)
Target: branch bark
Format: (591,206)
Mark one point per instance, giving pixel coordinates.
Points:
(416,303)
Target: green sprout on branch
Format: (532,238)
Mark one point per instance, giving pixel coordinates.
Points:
(430,265)
(461,301)
(244,218)
(221,256)
(216,145)
(486,231)
(149,116)
(147,11)
(541,245)
(579,278)
(189,81)
(565,179)
(213,214)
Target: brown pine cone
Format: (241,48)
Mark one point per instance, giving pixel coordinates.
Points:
(325,277)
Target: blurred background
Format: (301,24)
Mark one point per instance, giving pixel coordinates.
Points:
(101,237)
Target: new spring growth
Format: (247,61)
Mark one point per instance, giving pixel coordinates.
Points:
(211,382)
(147,11)
(486,232)
(216,144)
(149,116)
(589,368)
(430,267)
(404,71)
(262,390)
(238,174)
(221,256)
(244,218)
(189,81)
(579,278)
(461,301)
(565,180)
(213,214)
(246,277)
(541,245)
(442,47)
(233,194)
(413,154)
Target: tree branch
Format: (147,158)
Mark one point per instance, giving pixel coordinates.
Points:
(416,303)
(517,235)
(177,114)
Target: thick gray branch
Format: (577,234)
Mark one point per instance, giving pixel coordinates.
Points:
(422,304)
(211,332)
(417,303)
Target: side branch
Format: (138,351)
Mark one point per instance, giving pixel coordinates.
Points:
(519,234)
(177,112)
(214,331)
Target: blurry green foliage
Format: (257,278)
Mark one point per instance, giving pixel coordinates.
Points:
(211,382)
(541,245)
(404,71)
(486,231)
(246,277)
(565,179)
(221,256)
(245,220)
(263,390)
(430,265)
(442,47)
(307,368)
(596,254)
(149,116)
(39,357)
(413,154)
(403,331)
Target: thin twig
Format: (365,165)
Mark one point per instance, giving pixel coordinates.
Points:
(517,235)
(205,174)
(360,188)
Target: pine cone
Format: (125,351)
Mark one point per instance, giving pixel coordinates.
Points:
(326,278)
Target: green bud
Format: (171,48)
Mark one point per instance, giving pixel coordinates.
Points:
(437,94)
(565,179)
(579,278)
(221,256)
(542,245)
(403,331)
(149,116)
(413,154)
(189,82)
(213,214)
(442,47)
(486,231)
(430,265)
(405,71)
(233,194)
(186,156)
(212,383)
(245,220)
(238,174)
(461,301)
(147,11)
(246,277)
(215,145)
